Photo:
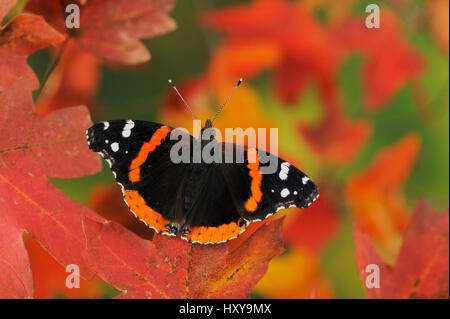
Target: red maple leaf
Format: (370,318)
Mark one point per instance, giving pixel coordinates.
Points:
(179,269)
(336,139)
(24,35)
(376,195)
(421,269)
(302,43)
(74,81)
(314,227)
(33,148)
(111,29)
(301,50)
(391,61)
(313,52)
(107,200)
(49,277)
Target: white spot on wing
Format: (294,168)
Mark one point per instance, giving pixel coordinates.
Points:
(284,171)
(126,132)
(115,146)
(285,192)
(305,180)
(105,125)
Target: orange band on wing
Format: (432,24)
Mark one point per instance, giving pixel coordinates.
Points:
(252,203)
(145,213)
(204,235)
(135,170)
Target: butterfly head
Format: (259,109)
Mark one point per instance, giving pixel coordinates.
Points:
(210,132)
(208,124)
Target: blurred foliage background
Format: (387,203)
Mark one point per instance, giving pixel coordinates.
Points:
(373,154)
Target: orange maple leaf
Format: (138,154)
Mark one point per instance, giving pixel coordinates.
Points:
(421,268)
(376,196)
(294,275)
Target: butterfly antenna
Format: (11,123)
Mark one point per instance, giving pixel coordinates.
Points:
(229,97)
(181,97)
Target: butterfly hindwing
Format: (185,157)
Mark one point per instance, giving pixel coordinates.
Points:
(211,215)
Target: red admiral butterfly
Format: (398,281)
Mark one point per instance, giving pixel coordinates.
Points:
(201,202)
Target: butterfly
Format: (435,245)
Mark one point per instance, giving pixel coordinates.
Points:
(200,201)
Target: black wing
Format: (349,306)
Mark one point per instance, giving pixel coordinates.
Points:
(205,203)
(258,195)
(138,153)
(234,194)
(170,198)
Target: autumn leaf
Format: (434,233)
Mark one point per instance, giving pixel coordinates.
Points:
(336,139)
(291,29)
(49,277)
(385,71)
(421,269)
(24,35)
(376,195)
(33,148)
(15,272)
(301,51)
(172,268)
(111,29)
(74,81)
(312,52)
(294,275)
(107,200)
(313,228)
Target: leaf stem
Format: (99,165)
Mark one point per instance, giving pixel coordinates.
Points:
(52,66)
